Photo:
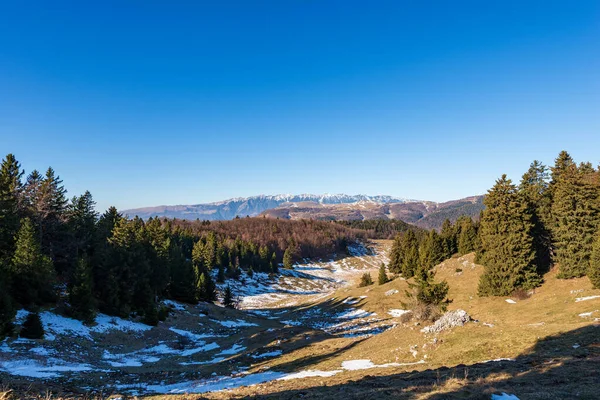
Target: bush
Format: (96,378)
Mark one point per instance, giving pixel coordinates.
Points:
(32,327)
(406,317)
(365,280)
(520,294)
(458,270)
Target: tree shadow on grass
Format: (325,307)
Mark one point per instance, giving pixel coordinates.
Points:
(564,366)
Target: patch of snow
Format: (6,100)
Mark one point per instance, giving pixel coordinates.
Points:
(174,305)
(33,369)
(391,292)
(236,348)
(353,313)
(398,312)
(274,353)
(498,360)
(504,396)
(128,360)
(354,365)
(309,373)
(209,385)
(511,301)
(576,346)
(191,335)
(587,314)
(236,324)
(577,300)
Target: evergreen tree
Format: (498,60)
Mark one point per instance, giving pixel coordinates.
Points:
(206,288)
(82,224)
(431,250)
(365,280)
(81,297)
(534,187)
(576,212)
(7,308)
(31,271)
(425,291)
(449,239)
(395,264)
(288,259)
(183,285)
(410,256)
(506,237)
(32,327)
(11,190)
(467,236)
(228,300)
(274,266)
(382,278)
(594,269)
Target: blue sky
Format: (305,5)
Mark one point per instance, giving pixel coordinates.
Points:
(147,103)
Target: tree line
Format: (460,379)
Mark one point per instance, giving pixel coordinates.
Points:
(121,266)
(552,217)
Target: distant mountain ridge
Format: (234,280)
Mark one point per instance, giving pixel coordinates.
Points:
(252,206)
(426,214)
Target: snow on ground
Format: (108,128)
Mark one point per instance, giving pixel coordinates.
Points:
(396,312)
(235,324)
(587,314)
(235,349)
(577,300)
(391,292)
(504,396)
(49,368)
(274,353)
(309,374)
(354,365)
(174,305)
(511,301)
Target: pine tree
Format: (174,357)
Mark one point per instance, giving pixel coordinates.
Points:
(228,300)
(82,224)
(7,308)
(467,236)
(594,269)
(274,266)
(365,280)
(206,288)
(31,271)
(11,190)
(395,264)
(506,237)
(426,292)
(81,297)
(288,259)
(382,278)
(32,327)
(183,285)
(410,256)
(449,239)
(576,212)
(534,187)
(431,251)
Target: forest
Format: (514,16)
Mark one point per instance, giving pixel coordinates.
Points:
(551,218)
(54,248)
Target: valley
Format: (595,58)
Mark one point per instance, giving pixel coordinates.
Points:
(312,333)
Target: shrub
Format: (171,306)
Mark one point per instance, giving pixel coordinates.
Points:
(365,280)
(520,294)
(458,270)
(32,327)
(163,313)
(406,317)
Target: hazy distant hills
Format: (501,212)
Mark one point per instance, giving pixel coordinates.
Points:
(426,214)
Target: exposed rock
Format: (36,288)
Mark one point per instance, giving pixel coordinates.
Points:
(448,321)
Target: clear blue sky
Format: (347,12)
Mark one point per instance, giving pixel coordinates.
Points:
(147,103)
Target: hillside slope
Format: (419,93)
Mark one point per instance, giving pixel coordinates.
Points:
(424,214)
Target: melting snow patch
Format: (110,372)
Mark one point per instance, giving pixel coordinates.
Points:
(391,292)
(210,385)
(33,369)
(269,354)
(310,373)
(236,324)
(174,305)
(504,396)
(354,365)
(128,360)
(236,348)
(587,314)
(191,335)
(398,312)
(498,360)
(577,300)
(511,301)
(354,313)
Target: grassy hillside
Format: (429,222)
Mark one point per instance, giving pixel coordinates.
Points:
(551,340)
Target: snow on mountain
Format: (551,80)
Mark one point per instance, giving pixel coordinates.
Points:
(252,206)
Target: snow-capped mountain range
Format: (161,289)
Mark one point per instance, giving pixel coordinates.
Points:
(255,205)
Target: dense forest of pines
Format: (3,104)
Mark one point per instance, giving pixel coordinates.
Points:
(119,266)
(380,228)
(551,217)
